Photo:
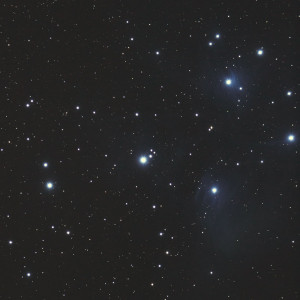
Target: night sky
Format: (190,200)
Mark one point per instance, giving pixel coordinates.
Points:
(149,150)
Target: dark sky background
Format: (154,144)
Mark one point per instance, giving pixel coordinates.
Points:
(149,150)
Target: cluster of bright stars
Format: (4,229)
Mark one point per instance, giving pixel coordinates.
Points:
(217,36)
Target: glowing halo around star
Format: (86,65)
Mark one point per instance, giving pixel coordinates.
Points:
(49,185)
(260,52)
(143,160)
(214,190)
(228,81)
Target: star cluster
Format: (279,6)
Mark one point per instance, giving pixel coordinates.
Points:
(149,150)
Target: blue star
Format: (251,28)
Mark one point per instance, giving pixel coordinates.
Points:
(214,190)
(228,81)
(49,185)
(260,52)
(143,160)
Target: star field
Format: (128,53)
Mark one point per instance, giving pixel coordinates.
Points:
(150,150)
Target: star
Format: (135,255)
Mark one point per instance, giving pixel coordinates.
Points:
(217,36)
(10,242)
(68,232)
(28,274)
(260,52)
(45,164)
(210,43)
(228,81)
(157,52)
(291,137)
(49,185)
(143,160)
(214,190)
(289,93)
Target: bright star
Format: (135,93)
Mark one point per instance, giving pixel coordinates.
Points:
(260,52)
(291,138)
(143,159)
(210,43)
(217,36)
(45,165)
(10,242)
(28,274)
(289,93)
(214,190)
(49,185)
(228,81)
(157,52)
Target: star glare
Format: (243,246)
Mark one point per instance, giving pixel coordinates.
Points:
(214,190)
(49,185)
(228,81)
(260,52)
(143,160)
(291,137)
